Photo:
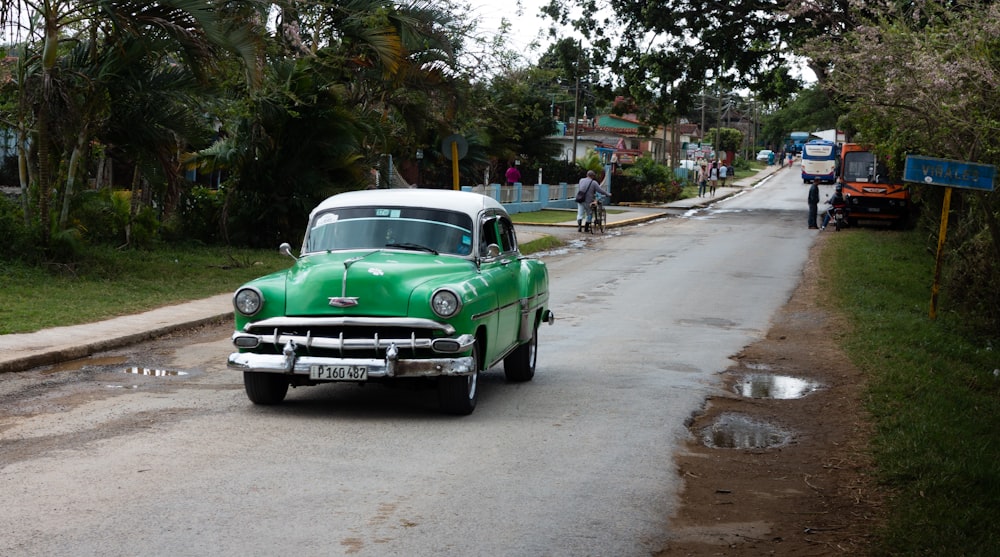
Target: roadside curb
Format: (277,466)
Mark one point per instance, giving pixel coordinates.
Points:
(57,355)
(22,351)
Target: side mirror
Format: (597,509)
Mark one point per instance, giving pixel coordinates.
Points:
(286,249)
(492,250)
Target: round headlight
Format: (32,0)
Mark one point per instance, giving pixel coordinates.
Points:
(248,301)
(445,303)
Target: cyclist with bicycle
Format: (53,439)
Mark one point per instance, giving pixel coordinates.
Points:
(587,189)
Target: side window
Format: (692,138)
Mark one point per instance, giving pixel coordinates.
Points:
(488,235)
(507,237)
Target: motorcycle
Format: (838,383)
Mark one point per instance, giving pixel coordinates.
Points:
(838,214)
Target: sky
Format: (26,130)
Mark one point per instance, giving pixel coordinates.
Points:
(524,15)
(526,22)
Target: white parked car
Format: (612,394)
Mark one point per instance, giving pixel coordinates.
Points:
(765,154)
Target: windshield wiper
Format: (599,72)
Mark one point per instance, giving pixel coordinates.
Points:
(416,247)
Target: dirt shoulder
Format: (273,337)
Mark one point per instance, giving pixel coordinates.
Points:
(813,495)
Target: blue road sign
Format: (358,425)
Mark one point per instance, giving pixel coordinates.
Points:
(944,172)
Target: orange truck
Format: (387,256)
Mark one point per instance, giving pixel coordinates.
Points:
(870,196)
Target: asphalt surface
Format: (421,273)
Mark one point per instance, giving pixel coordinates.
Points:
(23,351)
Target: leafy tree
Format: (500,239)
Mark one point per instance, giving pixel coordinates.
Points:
(350,82)
(930,87)
(71,54)
(811,109)
(726,139)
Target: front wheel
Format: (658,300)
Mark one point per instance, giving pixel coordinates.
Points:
(458,394)
(600,219)
(265,388)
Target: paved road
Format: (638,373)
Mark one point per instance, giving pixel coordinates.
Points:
(95,461)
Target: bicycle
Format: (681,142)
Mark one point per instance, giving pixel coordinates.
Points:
(600,221)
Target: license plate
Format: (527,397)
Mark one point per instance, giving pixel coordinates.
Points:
(338,373)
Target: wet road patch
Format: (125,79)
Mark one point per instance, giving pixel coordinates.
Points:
(739,431)
(766,385)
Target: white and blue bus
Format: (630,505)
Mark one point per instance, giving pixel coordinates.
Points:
(819,160)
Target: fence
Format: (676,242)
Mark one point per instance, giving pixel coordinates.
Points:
(522,198)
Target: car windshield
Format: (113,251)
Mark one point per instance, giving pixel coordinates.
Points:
(416,228)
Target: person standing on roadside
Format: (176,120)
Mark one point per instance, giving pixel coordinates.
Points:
(713,177)
(702,178)
(585,192)
(513,175)
(813,200)
(723,174)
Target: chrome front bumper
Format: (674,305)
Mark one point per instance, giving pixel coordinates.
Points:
(391,366)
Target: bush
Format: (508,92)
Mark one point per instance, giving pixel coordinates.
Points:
(18,242)
(647,181)
(199,217)
(650,172)
(102,217)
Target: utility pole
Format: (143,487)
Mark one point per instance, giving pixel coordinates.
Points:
(718,118)
(702,113)
(576,102)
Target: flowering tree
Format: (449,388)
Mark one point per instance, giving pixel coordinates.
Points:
(926,80)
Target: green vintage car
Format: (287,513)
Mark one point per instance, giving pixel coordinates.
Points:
(391,286)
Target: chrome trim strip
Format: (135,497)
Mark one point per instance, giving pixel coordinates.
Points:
(340,343)
(408,322)
(479,316)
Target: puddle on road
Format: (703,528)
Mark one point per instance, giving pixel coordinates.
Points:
(109,363)
(135,370)
(784,387)
(80,364)
(737,431)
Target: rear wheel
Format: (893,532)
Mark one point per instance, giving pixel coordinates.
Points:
(458,394)
(265,388)
(519,366)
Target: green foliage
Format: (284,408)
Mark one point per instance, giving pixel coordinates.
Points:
(810,110)
(725,139)
(954,116)
(649,172)
(514,114)
(647,181)
(103,217)
(18,241)
(199,218)
(932,391)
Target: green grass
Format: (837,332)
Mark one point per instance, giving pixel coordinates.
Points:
(542,244)
(113,283)
(545,216)
(551,216)
(932,391)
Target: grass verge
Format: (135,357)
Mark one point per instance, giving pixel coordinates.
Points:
(544,243)
(112,283)
(933,392)
(551,216)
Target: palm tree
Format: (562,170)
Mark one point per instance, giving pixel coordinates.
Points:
(59,82)
(352,80)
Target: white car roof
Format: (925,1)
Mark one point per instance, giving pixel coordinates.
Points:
(465,202)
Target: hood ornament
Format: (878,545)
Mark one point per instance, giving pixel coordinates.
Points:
(343,302)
